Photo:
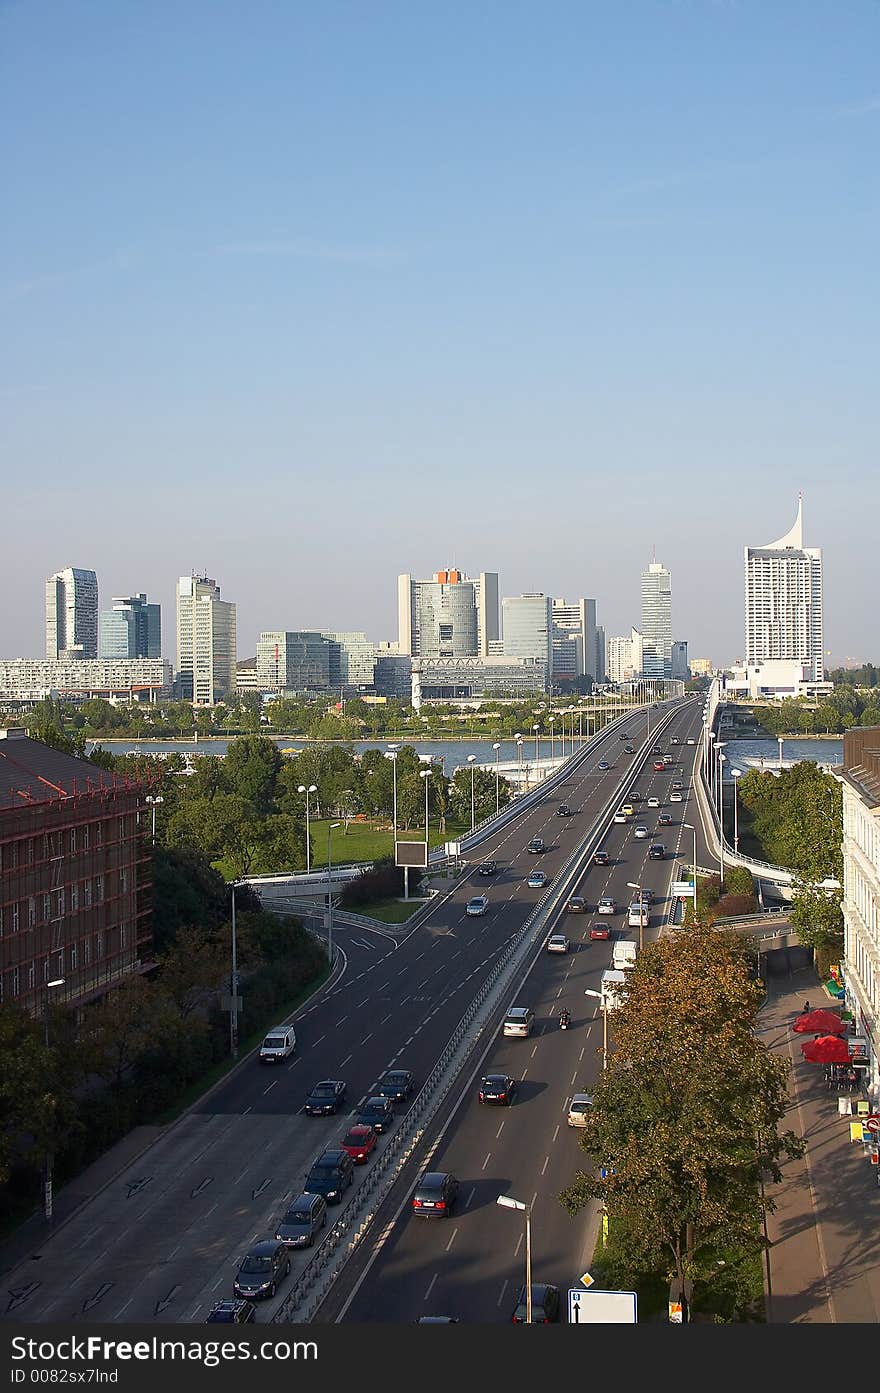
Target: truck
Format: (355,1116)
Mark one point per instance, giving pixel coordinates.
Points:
(623,954)
(611,987)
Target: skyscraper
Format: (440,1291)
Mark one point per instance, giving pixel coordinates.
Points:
(574,639)
(206,641)
(296,660)
(72,614)
(527,626)
(449,616)
(131,629)
(657,621)
(784,603)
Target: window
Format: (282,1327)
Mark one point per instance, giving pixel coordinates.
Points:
(32,975)
(87,951)
(99,945)
(16,981)
(123,880)
(31,850)
(1,921)
(122,829)
(99,834)
(99,888)
(47,908)
(73,839)
(2,988)
(32,911)
(13,856)
(87,893)
(73,957)
(74,897)
(85,833)
(15,920)
(121,935)
(45,969)
(59,903)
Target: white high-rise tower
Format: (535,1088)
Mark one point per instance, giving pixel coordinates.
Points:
(657,621)
(206,641)
(72,614)
(784,603)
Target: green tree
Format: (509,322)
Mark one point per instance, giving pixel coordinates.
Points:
(30,1104)
(817,916)
(251,770)
(685,1118)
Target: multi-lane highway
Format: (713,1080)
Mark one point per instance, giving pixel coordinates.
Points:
(162,1240)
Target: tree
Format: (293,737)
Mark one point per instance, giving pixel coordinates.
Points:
(186,890)
(251,770)
(130,1021)
(192,971)
(685,1117)
(816,915)
(29,1101)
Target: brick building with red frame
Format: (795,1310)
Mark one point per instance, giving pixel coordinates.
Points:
(75,876)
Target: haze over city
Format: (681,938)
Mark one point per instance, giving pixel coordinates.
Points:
(305,298)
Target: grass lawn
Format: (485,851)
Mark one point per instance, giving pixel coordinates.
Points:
(390,911)
(366,841)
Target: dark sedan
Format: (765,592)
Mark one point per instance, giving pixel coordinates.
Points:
(435,1195)
(326,1097)
(601,858)
(545,1305)
(396,1084)
(377,1112)
(263,1267)
(497,1088)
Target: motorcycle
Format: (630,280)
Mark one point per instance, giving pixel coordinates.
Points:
(564,1021)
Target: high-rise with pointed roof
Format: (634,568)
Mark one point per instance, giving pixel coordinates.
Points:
(784,603)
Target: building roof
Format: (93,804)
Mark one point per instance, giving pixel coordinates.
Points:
(31,772)
(861,761)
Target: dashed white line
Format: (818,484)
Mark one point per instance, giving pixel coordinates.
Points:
(503,1290)
(486,1162)
(452,1239)
(498,1133)
(348,1056)
(270,1085)
(430,1287)
(546,1164)
(556,1133)
(470,1197)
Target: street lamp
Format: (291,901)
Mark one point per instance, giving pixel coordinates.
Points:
(779,742)
(392,755)
(508,1202)
(603,1006)
(153,799)
(519,745)
(535,728)
(496,747)
(425,774)
(690,827)
(721,759)
(551,719)
(329,915)
(735,774)
(631,885)
(312,788)
(47,1183)
(470,760)
(718,747)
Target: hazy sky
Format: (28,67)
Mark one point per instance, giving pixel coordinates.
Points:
(308,294)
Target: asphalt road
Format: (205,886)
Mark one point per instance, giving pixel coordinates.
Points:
(163,1240)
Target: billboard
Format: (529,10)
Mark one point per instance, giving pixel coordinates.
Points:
(411,853)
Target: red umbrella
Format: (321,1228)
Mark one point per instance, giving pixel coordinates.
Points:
(820,1022)
(828,1049)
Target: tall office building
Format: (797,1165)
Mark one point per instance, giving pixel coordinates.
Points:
(206,641)
(624,656)
(680,667)
(600,653)
(784,603)
(657,621)
(72,614)
(527,626)
(574,639)
(449,616)
(352,660)
(296,661)
(131,629)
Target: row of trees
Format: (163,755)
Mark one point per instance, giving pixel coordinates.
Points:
(839,711)
(685,1127)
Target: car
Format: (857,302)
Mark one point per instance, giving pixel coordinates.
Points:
(558,943)
(664,820)
(231,1313)
(376,1111)
(599,931)
(263,1266)
(674,740)
(478,904)
(691,742)
(360,1142)
(576,904)
(634,796)
(579,1110)
(536,846)
(653,801)
(278,1045)
(331,1174)
(646,895)
(656,852)
(629,749)
(497,1088)
(434,1196)
(619,816)
(656,750)
(302,1221)
(563,810)
(667,760)
(603,765)
(621,735)
(487,868)
(627,810)
(396,1084)
(545,1305)
(325,1097)
(676,797)
(640,833)
(601,858)
(606,905)
(677,783)
(659,766)
(518,1022)
(537,880)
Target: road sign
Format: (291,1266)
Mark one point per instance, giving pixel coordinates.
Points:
(602,1307)
(872,1123)
(682,888)
(587,1280)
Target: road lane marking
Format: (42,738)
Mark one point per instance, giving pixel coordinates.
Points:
(430,1287)
(545,1165)
(503,1290)
(573,1077)
(470,1197)
(322,1037)
(556,1133)
(534,1050)
(518,1246)
(498,1133)
(582,1053)
(486,1162)
(452,1239)
(348,1057)
(270,1085)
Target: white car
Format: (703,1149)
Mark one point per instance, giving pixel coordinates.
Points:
(579,1110)
(620,816)
(478,905)
(606,905)
(676,797)
(653,802)
(690,742)
(558,943)
(640,833)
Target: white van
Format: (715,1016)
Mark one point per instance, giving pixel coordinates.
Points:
(638,915)
(623,954)
(278,1044)
(611,987)
(519,1021)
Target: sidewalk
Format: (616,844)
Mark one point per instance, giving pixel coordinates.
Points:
(825,1233)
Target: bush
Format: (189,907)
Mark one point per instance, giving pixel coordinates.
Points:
(730,906)
(383,882)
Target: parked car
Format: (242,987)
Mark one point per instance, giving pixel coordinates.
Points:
(262,1268)
(558,943)
(360,1142)
(545,1305)
(487,868)
(497,1088)
(238,1312)
(377,1111)
(302,1221)
(396,1084)
(599,931)
(435,1195)
(478,904)
(325,1097)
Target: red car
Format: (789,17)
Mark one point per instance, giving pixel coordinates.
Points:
(600,931)
(359,1141)
(659,766)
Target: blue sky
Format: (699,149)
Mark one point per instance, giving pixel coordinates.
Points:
(306,295)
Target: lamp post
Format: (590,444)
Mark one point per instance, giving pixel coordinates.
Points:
(312,788)
(470,760)
(603,1006)
(690,827)
(329,915)
(721,759)
(153,799)
(392,755)
(735,774)
(535,728)
(47,1181)
(508,1202)
(425,774)
(779,742)
(233,985)
(631,885)
(519,744)
(496,747)
(710,762)
(551,719)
